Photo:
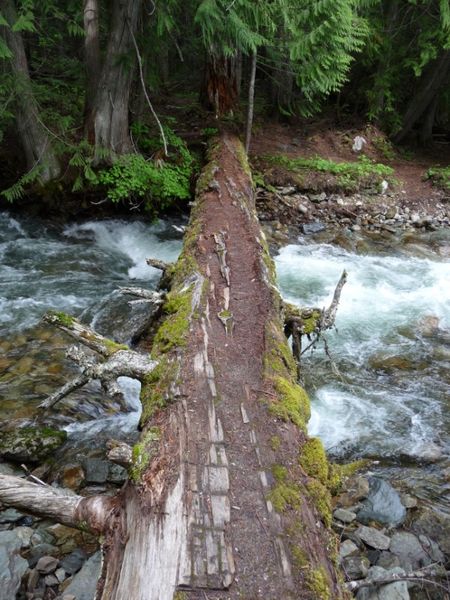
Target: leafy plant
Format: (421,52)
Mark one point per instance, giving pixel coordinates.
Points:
(440,176)
(350,176)
(156,180)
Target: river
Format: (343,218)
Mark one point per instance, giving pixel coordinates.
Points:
(387,399)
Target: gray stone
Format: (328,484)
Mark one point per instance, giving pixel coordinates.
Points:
(47,564)
(373,538)
(318,197)
(39,551)
(24,534)
(387,560)
(391,591)
(84,583)
(74,561)
(12,566)
(117,474)
(408,501)
(411,553)
(10,515)
(382,504)
(60,575)
(51,580)
(355,567)
(96,470)
(347,548)
(32,580)
(314,227)
(346,516)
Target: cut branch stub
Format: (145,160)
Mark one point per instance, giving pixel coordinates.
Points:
(121,362)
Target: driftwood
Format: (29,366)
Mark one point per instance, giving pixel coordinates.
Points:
(217,503)
(430,575)
(120,360)
(311,322)
(166,268)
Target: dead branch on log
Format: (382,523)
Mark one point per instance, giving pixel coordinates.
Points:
(87,336)
(422,575)
(154,297)
(49,502)
(311,322)
(166,277)
(121,362)
(158,264)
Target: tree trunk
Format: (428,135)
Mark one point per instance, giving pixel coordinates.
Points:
(33,134)
(218,503)
(110,113)
(220,85)
(92,63)
(251,103)
(432,82)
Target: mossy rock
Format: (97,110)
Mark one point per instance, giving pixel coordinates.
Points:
(30,444)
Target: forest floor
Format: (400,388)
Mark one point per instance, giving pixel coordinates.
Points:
(328,141)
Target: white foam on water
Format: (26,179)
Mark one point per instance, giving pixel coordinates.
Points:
(121,423)
(136,240)
(372,410)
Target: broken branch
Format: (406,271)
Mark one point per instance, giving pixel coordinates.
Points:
(46,501)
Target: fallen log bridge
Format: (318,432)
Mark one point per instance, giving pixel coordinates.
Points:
(227,497)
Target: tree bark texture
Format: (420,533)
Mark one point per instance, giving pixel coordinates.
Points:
(433,80)
(221,502)
(92,62)
(34,137)
(110,113)
(220,85)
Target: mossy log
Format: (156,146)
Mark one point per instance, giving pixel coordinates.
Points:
(224,498)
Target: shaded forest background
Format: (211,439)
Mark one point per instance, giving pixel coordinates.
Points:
(114,99)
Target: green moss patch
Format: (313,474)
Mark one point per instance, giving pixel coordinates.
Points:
(321,497)
(284,494)
(174,329)
(292,403)
(347,177)
(317,582)
(143,452)
(155,391)
(314,460)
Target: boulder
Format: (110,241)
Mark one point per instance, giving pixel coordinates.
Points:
(12,565)
(84,583)
(30,444)
(382,505)
(390,591)
(414,553)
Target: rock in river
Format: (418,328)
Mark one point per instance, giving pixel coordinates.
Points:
(30,444)
(382,505)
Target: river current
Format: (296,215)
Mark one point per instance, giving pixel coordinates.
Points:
(385,398)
